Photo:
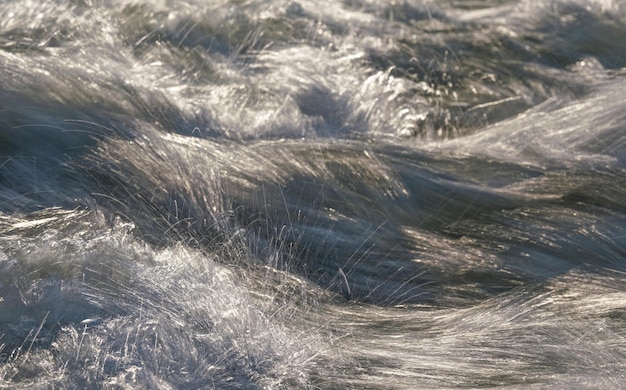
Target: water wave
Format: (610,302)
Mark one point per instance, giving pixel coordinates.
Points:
(313,194)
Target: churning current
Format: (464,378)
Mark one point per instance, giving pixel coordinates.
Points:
(312,194)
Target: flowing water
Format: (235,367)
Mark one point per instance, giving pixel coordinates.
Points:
(317,194)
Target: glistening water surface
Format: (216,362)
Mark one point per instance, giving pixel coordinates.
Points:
(315,194)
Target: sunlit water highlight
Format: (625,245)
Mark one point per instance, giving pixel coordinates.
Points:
(313,194)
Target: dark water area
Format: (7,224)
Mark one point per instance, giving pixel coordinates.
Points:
(353,194)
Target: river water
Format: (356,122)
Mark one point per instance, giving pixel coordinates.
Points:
(317,194)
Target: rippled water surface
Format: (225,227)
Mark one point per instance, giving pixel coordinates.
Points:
(315,194)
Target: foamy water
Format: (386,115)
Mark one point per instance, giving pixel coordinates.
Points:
(313,194)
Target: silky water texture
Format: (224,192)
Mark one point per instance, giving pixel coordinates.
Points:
(356,194)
